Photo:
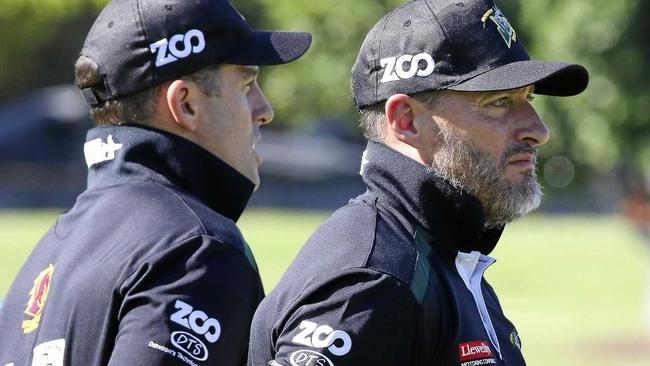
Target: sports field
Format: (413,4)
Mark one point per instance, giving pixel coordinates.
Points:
(573,285)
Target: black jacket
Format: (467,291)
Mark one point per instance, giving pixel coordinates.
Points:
(147,268)
(393,278)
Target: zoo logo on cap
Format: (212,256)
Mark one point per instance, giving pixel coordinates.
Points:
(394,67)
(168,51)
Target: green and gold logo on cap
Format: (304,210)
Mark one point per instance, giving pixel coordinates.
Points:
(503,26)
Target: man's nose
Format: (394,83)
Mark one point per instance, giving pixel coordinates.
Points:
(531,129)
(262,110)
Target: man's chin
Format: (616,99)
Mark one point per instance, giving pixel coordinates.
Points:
(517,175)
(252,174)
(257,182)
(513,200)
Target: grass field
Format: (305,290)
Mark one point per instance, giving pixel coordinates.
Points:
(573,285)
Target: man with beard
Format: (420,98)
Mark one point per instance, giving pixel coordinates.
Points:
(396,276)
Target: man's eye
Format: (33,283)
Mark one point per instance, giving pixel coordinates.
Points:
(499,102)
(530,97)
(249,85)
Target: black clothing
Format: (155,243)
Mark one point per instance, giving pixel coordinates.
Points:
(387,281)
(147,268)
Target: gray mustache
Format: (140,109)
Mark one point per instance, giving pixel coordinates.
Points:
(519,149)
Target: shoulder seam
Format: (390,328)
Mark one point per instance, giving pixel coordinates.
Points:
(372,206)
(166,189)
(175,194)
(187,239)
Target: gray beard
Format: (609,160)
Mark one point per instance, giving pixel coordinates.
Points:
(473,170)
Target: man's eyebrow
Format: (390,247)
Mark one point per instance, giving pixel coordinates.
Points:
(530,89)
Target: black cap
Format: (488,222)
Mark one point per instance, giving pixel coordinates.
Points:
(464,45)
(138,44)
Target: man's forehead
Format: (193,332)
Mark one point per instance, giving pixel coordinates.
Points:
(239,71)
(526,89)
(523,90)
(530,89)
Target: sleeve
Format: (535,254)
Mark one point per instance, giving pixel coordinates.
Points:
(359,318)
(190,305)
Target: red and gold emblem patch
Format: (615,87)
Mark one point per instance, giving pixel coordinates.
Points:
(37,297)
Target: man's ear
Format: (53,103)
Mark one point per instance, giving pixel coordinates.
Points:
(401,112)
(181,99)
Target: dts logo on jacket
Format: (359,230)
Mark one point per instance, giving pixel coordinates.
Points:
(198,322)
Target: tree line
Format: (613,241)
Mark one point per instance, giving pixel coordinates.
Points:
(605,130)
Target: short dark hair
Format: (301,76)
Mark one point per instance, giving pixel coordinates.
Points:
(373,117)
(137,108)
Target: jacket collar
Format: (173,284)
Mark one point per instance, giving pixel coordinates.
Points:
(116,154)
(453,217)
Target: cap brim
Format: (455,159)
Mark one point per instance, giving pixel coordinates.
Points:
(272,48)
(549,78)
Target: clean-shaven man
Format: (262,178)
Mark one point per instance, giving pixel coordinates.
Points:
(148,267)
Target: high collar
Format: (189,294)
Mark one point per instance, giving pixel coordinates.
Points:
(454,218)
(117,154)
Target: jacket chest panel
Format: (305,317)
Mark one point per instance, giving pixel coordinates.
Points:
(484,336)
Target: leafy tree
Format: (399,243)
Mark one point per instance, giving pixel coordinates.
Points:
(599,132)
(318,85)
(40,41)
(603,131)
(608,124)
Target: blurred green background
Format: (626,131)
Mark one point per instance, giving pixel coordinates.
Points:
(603,133)
(573,279)
(574,285)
